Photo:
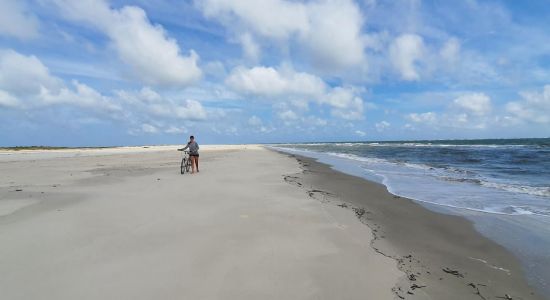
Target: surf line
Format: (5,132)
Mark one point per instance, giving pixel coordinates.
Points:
(490,265)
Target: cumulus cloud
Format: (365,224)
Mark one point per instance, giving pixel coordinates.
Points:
(149,102)
(287,115)
(8,100)
(191,110)
(381,126)
(360,133)
(450,51)
(330,31)
(405,52)
(16,21)
(267,81)
(250,48)
(152,56)
(334,38)
(21,75)
(148,128)
(175,130)
(475,103)
(297,87)
(254,121)
(346,104)
(427,117)
(533,106)
(26,83)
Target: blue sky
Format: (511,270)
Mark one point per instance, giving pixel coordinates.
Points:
(98,73)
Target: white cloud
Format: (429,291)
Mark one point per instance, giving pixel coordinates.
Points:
(22,75)
(288,115)
(81,95)
(267,81)
(8,100)
(381,126)
(152,56)
(476,103)
(334,37)
(175,130)
(191,110)
(405,52)
(329,30)
(298,88)
(254,121)
(450,51)
(533,107)
(150,103)
(16,21)
(148,128)
(277,19)
(250,48)
(427,117)
(360,133)
(26,83)
(346,104)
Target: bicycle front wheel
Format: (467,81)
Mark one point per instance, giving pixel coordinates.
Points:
(184,165)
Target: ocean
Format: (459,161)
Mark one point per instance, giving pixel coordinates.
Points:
(502,185)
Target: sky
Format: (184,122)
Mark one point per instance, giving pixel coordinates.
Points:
(107,73)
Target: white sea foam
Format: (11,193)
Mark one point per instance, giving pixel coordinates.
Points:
(447,187)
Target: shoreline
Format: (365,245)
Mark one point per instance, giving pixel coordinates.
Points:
(442,255)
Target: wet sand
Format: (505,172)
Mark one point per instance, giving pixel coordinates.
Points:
(442,256)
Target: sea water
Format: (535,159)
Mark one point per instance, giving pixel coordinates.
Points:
(502,185)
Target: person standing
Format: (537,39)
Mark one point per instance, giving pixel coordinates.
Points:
(193,154)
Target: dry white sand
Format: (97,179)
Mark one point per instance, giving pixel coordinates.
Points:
(127,225)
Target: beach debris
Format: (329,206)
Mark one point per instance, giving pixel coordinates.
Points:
(453,272)
(416,286)
(506,297)
(359,212)
(343,205)
(158,178)
(412,277)
(19,190)
(410,293)
(473,285)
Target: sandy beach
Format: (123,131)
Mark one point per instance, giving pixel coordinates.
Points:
(125,224)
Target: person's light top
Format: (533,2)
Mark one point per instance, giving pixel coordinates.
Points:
(193,147)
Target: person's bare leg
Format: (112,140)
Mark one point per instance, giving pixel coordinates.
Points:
(197,163)
(193,164)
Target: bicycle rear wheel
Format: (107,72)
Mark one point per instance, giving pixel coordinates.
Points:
(184,166)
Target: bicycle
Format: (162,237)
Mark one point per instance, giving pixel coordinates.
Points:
(185,162)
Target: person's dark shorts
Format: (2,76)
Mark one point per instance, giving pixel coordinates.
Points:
(194,154)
